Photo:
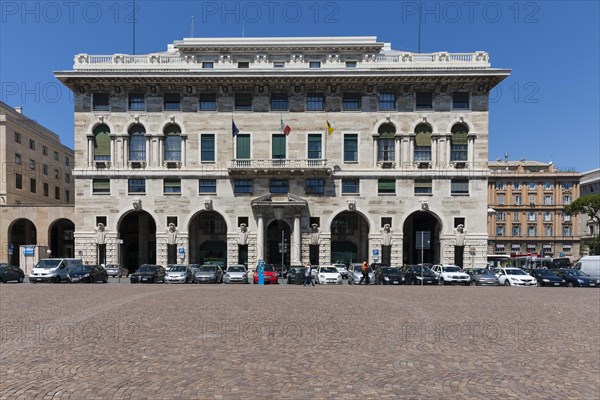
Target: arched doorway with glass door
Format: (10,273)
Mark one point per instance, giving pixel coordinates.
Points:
(21,232)
(349,238)
(61,238)
(422,238)
(277,231)
(137,229)
(208,239)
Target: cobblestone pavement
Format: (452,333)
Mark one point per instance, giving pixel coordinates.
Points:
(339,342)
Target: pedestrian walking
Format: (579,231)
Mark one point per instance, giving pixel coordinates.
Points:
(308,275)
(365,273)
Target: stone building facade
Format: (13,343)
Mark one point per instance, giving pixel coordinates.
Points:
(250,145)
(528,200)
(588,228)
(36,188)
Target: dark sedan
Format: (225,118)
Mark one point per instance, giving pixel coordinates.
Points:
(547,277)
(389,276)
(576,278)
(11,273)
(481,277)
(148,273)
(414,275)
(291,276)
(88,273)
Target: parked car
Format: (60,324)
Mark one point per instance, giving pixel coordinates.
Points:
(270,275)
(482,277)
(53,269)
(11,273)
(327,275)
(576,278)
(281,273)
(88,273)
(236,273)
(389,276)
(547,277)
(343,270)
(194,268)
(514,277)
(417,275)
(449,274)
(209,273)
(148,273)
(356,273)
(589,265)
(114,270)
(376,266)
(291,276)
(179,273)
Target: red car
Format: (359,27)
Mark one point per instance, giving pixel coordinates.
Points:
(270,274)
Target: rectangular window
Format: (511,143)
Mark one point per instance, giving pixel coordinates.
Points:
(44,150)
(567,199)
(459,187)
(515,216)
(314,146)
(279,64)
(351,147)
(516,230)
(46,189)
(548,200)
(208,64)
(547,216)
(19,181)
(207,102)
(460,100)
(386,186)
(67,161)
(136,186)
(279,186)
(242,186)
(32,185)
(351,102)
(566,217)
(172,220)
(207,148)
(350,186)
(56,156)
(500,230)
(171,186)
(424,100)
(56,173)
(531,216)
(351,64)
(423,186)
(314,186)
(279,101)
(17,137)
(315,102)
(501,216)
(566,230)
(532,199)
(386,148)
(101,186)
(516,185)
(57,193)
(567,185)
(32,165)
(31,144)
(314,64)
(547,230)
(67,178)
(517,200)
(244,64)
(531,230)
(67,196)
(500,185)
(243,147)
(278,147)
(387,101)
(207,186)
(172,102)
(567,248)
(547,185)
(137,102)
(531,186)
(243,101)
(100,102)
(18,159)
(501,199)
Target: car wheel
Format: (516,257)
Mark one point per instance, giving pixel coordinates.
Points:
(473,283)
(105,280)
(57,279)
(570,284)
(442,282)
(2,280)
(92,280)
(539,284)
(20,280)
(507,283)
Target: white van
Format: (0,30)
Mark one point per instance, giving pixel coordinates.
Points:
(589,265)
(53,269)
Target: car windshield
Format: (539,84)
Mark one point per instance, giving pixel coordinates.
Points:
(178,268)
(147,268)
(417,269)
(340,266)
(575,272)
(451,269)
(208,268)
(47,264)
(83,268)
(329,270)
(269,267)
(390,270)
(480,271)
(515,271)
(544,272)
(236,269)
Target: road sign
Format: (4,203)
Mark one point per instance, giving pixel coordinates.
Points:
(375,252)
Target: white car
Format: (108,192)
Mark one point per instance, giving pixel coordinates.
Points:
(514,277)
(328,274)
(448,274)
(236,273)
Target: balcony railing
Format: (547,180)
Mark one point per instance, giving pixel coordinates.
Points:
(267,166)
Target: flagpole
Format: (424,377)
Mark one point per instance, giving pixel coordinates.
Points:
(232,139)
(324,156)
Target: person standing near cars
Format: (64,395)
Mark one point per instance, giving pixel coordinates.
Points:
(365,273)
(308,274)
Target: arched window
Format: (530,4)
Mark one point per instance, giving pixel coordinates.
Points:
(172,134)
(458,143)
(423,142)
(137,143)
(386,143)
(102,143)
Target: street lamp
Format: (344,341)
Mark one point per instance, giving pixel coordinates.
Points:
(490,213)
(278,211)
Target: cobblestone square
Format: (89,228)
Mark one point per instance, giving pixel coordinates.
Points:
(340,342)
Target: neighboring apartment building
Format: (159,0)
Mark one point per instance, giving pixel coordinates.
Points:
(217,150)
(528,198)
(588,185)
(36,189)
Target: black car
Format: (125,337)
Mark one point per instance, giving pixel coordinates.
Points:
(547,277)
(389,276)
(148,273)
(291,276)
(576,278)
(414,273)
(11,273)
(281,272)
(88,273)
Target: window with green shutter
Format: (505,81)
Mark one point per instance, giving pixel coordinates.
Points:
(423,186)
(278,147)
(351,147)
(423,142)
(172,186)
(102,143)
(243,147)
(207,147)
(386,186)
(314,147)
(100,186)
(459,187)
(458,147)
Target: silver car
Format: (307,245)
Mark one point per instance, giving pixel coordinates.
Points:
(209,273)
(343,270)
(482,276)
(114,270)
(236,273)
(178,273)
(356,274)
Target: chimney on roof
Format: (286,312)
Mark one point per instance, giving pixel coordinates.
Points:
(19,109)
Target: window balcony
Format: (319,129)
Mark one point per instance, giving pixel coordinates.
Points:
(313,166)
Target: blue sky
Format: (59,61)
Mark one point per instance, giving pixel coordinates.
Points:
(548,109)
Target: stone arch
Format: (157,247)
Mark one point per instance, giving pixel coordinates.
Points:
(207,238)
(21,231)
(349,232)
(137,229)
(384,121)
(60,238)
(428,222)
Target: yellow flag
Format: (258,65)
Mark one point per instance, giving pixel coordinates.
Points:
(330,128)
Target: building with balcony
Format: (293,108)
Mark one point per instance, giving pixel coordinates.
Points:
(220,149)
(588,228)
(36,188)
(528,200)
